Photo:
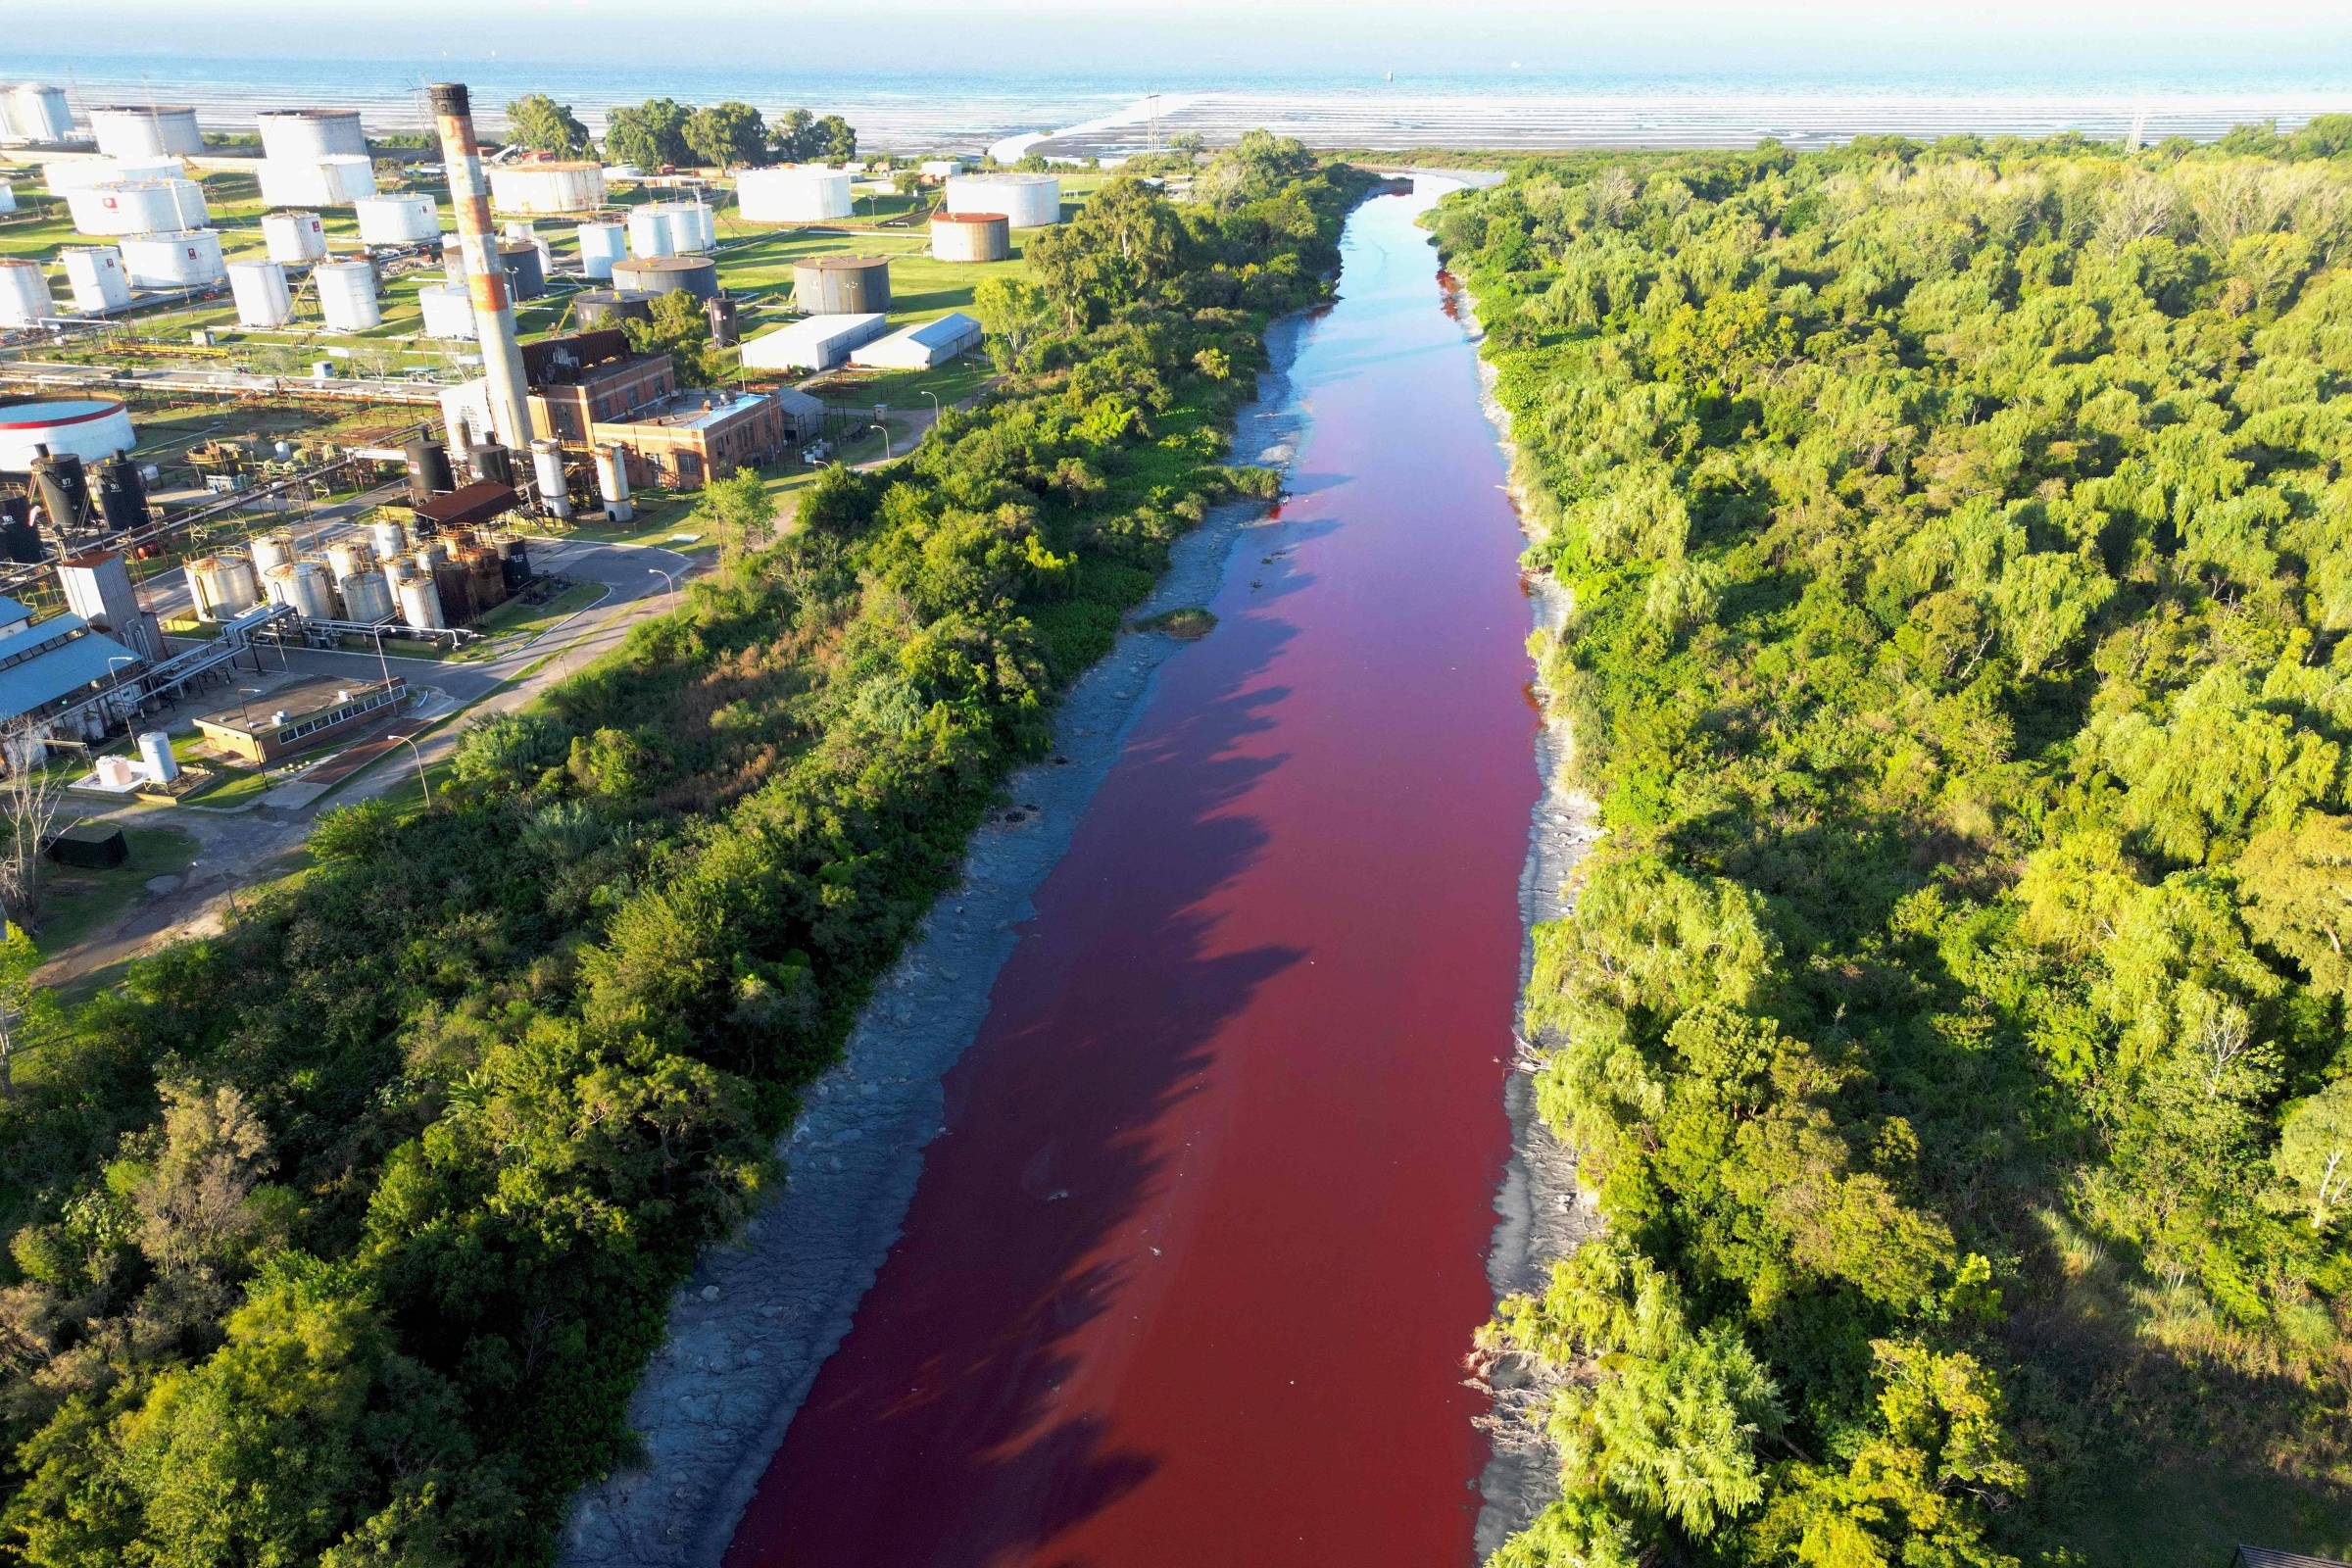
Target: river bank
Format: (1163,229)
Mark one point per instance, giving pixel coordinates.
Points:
(749,1332)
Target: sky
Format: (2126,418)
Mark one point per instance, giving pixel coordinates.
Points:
(1205,38)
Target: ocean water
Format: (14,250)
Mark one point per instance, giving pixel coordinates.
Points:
(907,108)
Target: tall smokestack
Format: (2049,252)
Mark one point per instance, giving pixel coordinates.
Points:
(485,276)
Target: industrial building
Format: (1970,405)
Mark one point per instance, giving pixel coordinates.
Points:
(1028,201)
(815,343)
(696,436)
(50,666)
(922,346)
(841,285)
(325,715)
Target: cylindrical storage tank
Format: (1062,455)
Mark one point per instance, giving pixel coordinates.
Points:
(88,429)
(453,259)
(293,238)
(553,188)
(396,219)
(345,178)
(602,243)
(38,114)
(389,538)
(82,173)
(613,482)
(526,275)
(429,475)
(304,585)
(260,292)
(792,195)
(8,197)
(199,599)
(515,564)
(455,585)
(698,275)
(350,555)
(414,600)
(431,556)
(448,311)
(189,259)
(310,134)
(130,132)
(705,222)
(721,312)
(547,472)
(271,551)
(24,293)
(492,461)
(603,307)
(366,597)
(972,237)
(649,231)
(347,295)
(99,283)
(155,749)
(230,587)
(137,207)
(1028,201)
(842,285)
(485,579)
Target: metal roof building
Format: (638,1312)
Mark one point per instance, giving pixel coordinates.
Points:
(815,343)
(42,664)
(922,346)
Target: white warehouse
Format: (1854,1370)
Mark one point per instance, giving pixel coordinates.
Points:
(814,343)
(922,346)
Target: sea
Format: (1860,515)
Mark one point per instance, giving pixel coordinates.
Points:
(1103,112)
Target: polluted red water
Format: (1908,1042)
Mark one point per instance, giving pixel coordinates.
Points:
(1189,1278)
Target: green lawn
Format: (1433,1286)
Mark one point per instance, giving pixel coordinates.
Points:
(73,902)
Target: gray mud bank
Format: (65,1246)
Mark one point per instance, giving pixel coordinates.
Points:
(759,1316)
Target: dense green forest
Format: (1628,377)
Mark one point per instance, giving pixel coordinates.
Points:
(341,1238)
(1951,1024)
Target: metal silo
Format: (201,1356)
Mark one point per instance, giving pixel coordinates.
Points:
(972,237)
(260,290)
(349,555)
(270,550)
(390,539)
(415,599)
(39,114)
(304,585)
(96,273)
(366,597)
(841,285)
(294,237)
(602,243)
(310,134)
(123,131)
(613,482)
(1028,201)
(547,473)
(155,749)
(448,311)
(526,273)
(396,219)
(24,293)
(649,231)
(347,295)
(230,587)
(792,195)
(698,275)
(188,259)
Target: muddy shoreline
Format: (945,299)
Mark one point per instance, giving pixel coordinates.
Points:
(760,1315)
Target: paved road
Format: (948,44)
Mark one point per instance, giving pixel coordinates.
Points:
(237,848)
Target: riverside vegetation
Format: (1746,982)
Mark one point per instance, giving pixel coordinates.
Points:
(341,1238)
(1952,1021)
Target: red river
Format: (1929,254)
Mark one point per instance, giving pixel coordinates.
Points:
(1188,1279)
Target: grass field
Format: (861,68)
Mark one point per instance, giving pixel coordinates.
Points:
(73,901)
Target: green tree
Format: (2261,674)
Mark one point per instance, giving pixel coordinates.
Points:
(679,328)
(739,511)
(2315,1150)
(650,136)
(728,135)
(541,124)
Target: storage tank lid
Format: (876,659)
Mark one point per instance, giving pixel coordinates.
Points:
(971,218)
(50,412)
(837,264)
(665,264)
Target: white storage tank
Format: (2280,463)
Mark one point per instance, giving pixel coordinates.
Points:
(366,597)
(415,599)
(337,180)
(155,749)
(80,174)
(24,293)
(38,113)
(224,585)
(350,555)
(187,259)
(96,274)
(613,482)
(448,311)
(602,243)
(396,219)
(347,295)
(122,131)
(792,195)
(272,550)
(89,428)
(1028,201)
(649,233)
(551,187)
(137,207)
(389,538)
(260,290)
(547,474)
(304,585)
(310,134)
(8,197)
(294,237)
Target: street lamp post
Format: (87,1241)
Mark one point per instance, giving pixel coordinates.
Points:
(381,665)
(112,660)
(882,424)
(657,572)
(243,717)
(936,413)
(423,783)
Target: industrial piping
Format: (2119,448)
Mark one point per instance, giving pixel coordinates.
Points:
(485,274)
